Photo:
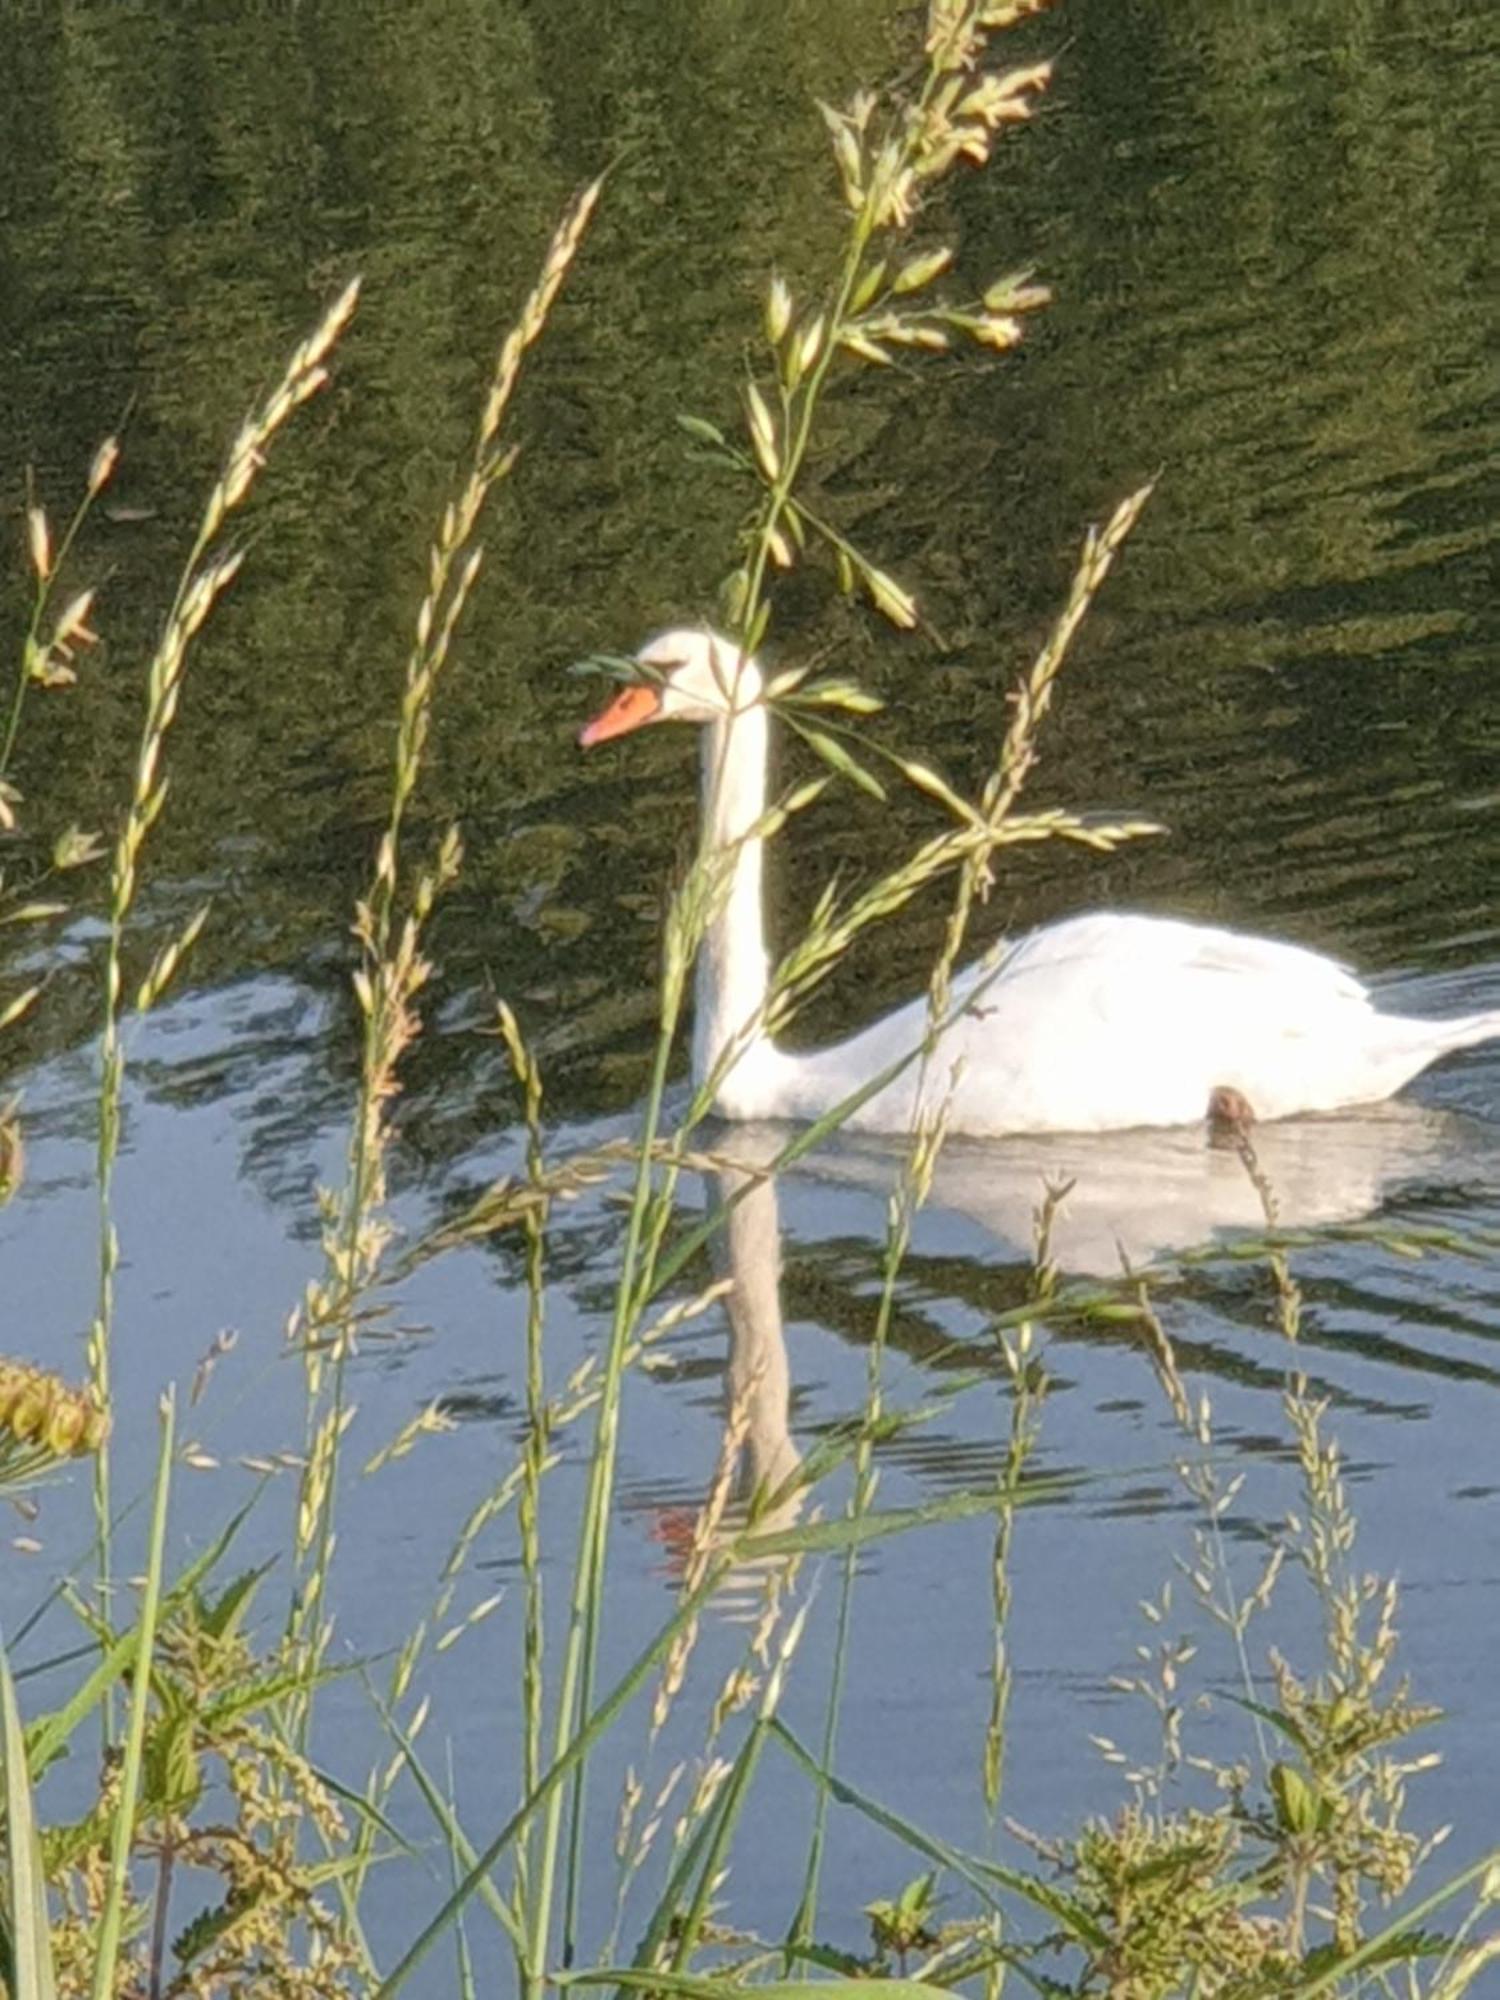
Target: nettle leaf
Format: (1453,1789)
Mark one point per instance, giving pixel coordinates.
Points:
(220,1618)
(210,1927)
(173,1774)
(1275,1718)
(1398,1949)
(249,1695)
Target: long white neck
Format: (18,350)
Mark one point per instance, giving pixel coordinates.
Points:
(732,960)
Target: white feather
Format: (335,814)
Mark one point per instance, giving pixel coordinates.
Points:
(1098,1023)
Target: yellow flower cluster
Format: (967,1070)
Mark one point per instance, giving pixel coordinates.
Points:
(38,1409)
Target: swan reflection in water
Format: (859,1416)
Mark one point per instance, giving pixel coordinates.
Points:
(758,1453)
(1137,1198)
(1134,1198)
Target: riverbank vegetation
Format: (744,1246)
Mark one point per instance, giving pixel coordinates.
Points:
(218,1852)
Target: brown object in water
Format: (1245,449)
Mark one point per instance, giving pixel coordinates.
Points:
(1230,1115)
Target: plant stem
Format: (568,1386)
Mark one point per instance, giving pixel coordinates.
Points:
(123,1831)
(576,1693)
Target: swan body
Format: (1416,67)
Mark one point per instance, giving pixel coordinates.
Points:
(1098,1023)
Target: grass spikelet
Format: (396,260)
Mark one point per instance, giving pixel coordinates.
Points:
(433,1421)
(708,1525)
(206,574)
(1033,696)
(393,969)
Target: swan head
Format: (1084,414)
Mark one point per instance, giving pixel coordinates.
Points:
(689,674)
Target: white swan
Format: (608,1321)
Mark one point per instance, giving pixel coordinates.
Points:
(1098,1023)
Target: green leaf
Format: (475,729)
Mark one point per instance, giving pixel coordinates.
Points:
(984,1877)
(460,1847)
(725,1817)
(245,1697)
(69,1841)
(171,1774)
(844,1963)
(1394,1948)
(916,1899)
(211,1927)
(853,1531)
(1299,1808)
(841,694)
(1278,1721)
(701,430)
(365,1809)
(833,752)
(927,780)
(599,1718)
(222,1616)
(30,1933)
(49,1735)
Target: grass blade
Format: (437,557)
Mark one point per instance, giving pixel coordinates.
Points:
(556,1776)
(30,1934)
(461,1850)
(135,1732)
(983,1877)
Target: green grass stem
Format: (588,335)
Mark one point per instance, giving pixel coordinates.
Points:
(135,1730)
(29,1974)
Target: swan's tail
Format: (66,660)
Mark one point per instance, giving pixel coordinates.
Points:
(1398,1047)
(1442,1037)
(1411,1044)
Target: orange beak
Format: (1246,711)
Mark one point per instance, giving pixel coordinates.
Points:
(632,708)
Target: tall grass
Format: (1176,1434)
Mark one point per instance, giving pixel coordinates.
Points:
(209,570)
(393,972)
(1279,1884)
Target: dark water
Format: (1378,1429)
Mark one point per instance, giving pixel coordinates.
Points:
(1272,242)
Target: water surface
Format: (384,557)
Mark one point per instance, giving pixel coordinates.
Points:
(1271,244)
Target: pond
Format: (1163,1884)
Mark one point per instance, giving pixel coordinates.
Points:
(1269,232)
